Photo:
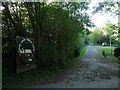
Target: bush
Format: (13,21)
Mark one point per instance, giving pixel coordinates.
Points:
(76,52)
(117,52)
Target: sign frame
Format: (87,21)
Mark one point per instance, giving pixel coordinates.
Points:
(25,58)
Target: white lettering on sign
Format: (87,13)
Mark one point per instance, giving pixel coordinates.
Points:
(26,49)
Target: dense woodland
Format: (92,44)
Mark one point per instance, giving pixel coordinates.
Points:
(58,29)
(108,33)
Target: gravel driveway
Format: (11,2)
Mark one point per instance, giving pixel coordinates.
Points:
(90,73)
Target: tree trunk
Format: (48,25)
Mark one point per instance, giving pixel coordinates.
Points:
(36,18)
(7,13)
(110,40)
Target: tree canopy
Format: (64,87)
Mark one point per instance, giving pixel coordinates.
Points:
(57,28)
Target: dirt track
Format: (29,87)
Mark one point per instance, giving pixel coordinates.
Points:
(90,73)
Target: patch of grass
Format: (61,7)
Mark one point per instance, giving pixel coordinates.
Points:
(82,51)
(109,51)
(74,61)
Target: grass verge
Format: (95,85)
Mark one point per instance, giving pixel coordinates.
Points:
(73,62)
(109,51)
(82,52)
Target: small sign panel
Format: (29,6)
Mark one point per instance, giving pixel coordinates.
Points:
(25,54)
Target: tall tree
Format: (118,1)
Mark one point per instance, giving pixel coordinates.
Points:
(109,29)
(56,28)
(96,35)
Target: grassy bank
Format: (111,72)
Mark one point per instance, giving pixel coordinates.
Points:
(82,52)
(73,62)
(109,52)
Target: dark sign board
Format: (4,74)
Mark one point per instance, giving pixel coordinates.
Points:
(25,54)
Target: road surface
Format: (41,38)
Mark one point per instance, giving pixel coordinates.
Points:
(90,73)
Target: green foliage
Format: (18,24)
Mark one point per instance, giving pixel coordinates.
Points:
(107,6)
(96,36)
(108,33)
(56,27)
(82,51)
(109,52)
(118,32)
(109,30)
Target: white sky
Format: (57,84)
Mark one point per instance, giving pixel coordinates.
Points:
(99,19)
